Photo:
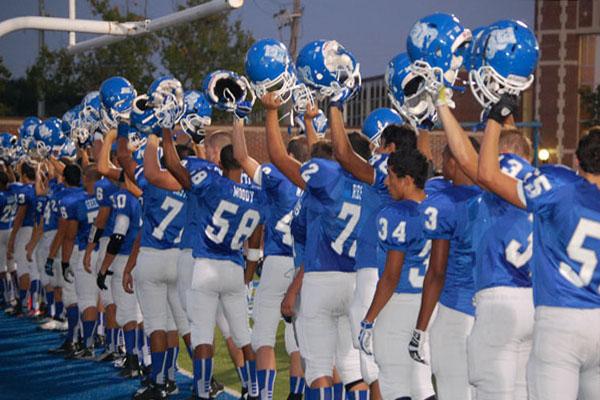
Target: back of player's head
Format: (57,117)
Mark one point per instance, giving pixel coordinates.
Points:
(409,162)
(402,136)
(588,152)
(28,171)
(322,149)
(513,141)
(91,174)
(218,140)
(3,180)
(72,175)
(298,148)
(228,161)
(360,144)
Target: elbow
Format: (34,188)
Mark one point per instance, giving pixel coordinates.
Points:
(484,175)
(102,169)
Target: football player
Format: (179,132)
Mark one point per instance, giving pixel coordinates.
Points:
(503,237)
(7,206)
(449,280)
(565,360)
(402,257)
(328,281)
(21,233)
(278,266)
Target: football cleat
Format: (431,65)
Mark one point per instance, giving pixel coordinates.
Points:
(64,348)
(151,392)
(171,388)
(131,368)
(216,387)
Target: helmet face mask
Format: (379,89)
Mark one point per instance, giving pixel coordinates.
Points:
(302,98)
(226,89)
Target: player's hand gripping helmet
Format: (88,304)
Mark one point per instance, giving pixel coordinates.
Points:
(377,121)
(320,123)
(509,54)
(197,113)
(408,93)
(435,46)
(228,91)
(165,96)
(116,96)
(270,69)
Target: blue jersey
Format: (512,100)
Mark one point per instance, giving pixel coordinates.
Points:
(191,227)
(444,213)
(51,212)
(502,234)
(125,203)
(401,228)
(303,210)
(77,205)
(436,184)
(374,198)
(164,215)
(227,214)
(282,195)
(103,189)
(7,208)
(332,233)
(25,194)
(566,237)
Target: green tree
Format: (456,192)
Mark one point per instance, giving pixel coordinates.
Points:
(192,50)
(590,102)
(5,106)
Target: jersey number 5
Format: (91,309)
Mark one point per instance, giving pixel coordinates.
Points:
(220,225)
(577,252)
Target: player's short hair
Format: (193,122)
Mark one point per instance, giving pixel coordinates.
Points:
(409,162)
(588,151)
(298,148)
(515,142)
(183,151)
(72,175)
(91,172)
(360,144)
(474,143)
(403,136)
(322,149)
(218,139)
(28,171)
(228,161)
(3,179)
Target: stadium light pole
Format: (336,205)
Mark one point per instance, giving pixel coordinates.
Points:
(179,17)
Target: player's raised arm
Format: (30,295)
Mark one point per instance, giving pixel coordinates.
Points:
(123,154)
(289,166)
(172,161)
(489,173)
(342,149)
(240,150)
(312,110)
(104,166)
(152,171)
(458,141)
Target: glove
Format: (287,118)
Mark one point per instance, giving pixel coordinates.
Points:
(259,266)
(418,346)
(505,107)
(365,338)
(242,109)
(445,98)
(101,280)
(338,100)
(67,272)
(48,266)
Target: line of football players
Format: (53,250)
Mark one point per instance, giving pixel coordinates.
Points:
(485,278)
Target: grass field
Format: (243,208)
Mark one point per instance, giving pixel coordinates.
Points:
(225,373)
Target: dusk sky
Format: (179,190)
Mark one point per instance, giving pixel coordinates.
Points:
(374,30)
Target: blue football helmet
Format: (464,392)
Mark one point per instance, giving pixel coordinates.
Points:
(320,123)
(270,69)
(226,90)
(509,58)
(68,150)
(143,119)
(408,93)
(165,96)
(474,50)
(435,46)
(197,112)
(116,96)
(328,68)
(8,147)
(68,118)
(26,132)
(377,121)
(49,138)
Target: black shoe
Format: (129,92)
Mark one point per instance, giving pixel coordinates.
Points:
(151,392)
(295,396)
(244,392)
(77,348)
(131,368)
(86,353)
(99,341)
(216,388)
(172,388)
(64,348)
